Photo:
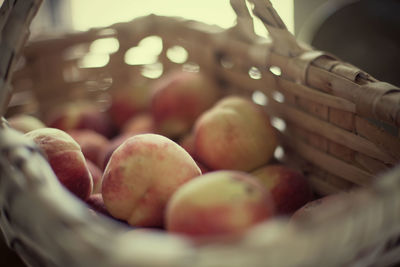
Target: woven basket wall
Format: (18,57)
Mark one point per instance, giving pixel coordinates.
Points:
(336,122)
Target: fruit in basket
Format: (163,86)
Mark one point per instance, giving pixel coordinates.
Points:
(187,142)
(65,158)
(218,203)
(81,115)
(25,123)
(235,134)
(91,142)
(139,124)
(106,152)
(178,99)
(127,101)
(97,176)
(142,174)
(288,187)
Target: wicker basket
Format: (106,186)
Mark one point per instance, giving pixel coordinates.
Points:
(341,129)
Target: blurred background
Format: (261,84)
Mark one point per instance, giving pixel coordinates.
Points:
(365,33)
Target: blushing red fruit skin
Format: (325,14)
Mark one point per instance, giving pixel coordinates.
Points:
(141,176)
(91,142)
(139,124)
(218,203)
(127,101)
(188,143)
(178,99)
(97,176)
(66,160)
(289,188)
(82,115)
(25,123)
(235,134)
(106,152)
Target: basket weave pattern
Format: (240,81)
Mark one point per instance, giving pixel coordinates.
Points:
(341,129)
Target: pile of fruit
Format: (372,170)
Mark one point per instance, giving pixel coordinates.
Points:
(175,155)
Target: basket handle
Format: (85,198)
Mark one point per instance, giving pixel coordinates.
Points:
(15,19)
(284,42)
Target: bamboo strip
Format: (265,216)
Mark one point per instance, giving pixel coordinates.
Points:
(343,119)
(372,165)
(315,95)
(322,187)
(314,108)
(382,139)
(341,152)
(330,131)
(331,164)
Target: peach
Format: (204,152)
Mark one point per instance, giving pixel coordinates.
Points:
(25,123)
(91,142)
(106,152)
(187,142)
(234,135)
(142,174)
(81,115)
(218,203)
(65,158)
(178,99)
(127,101)
(139,124)
(289,188)
(97,176)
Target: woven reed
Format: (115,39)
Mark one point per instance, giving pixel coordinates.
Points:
(342,130)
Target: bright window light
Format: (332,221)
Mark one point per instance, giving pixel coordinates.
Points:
(101,13)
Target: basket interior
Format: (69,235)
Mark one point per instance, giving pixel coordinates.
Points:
(309,98)
(321,131)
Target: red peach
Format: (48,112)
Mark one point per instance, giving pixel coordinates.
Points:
(202,167)
(106,152)
(141,176)
(82,115)
(187,142)
(139,124)
(178,99)
(66,159)
(127,101)
(91,142)
(25,123)
(289,188)
(234,137)
(97,176)
(218,203)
